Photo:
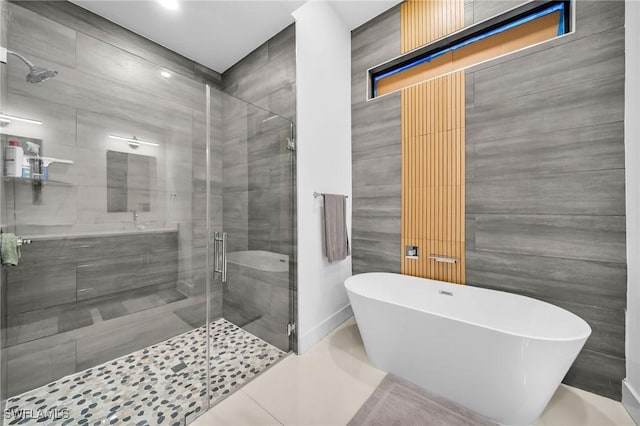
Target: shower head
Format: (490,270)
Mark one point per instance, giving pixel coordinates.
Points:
(36,74)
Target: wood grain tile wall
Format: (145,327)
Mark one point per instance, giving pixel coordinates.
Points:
(433,150)
(376,150)
(545,180)
(544,173)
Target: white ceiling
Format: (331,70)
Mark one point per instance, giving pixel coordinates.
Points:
(218,33)
(356,12)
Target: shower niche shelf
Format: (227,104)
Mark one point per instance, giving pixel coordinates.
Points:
(38,183)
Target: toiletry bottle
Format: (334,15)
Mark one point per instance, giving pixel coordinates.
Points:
(26,167)
(45,169)
(13,155)
(35,162)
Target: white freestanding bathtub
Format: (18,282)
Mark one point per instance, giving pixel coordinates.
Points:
(498,354)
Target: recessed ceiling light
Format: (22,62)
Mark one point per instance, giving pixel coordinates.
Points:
(169,4)
(165,74)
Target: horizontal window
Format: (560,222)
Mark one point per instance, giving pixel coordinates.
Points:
(516,29)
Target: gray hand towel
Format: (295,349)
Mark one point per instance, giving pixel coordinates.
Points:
(336,241)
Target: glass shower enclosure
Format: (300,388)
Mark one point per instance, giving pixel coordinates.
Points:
(154,221)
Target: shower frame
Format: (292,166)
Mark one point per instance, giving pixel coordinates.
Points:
(209,279)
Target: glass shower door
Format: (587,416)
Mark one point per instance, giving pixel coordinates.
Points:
(252,164)
(113,312)
(103,315)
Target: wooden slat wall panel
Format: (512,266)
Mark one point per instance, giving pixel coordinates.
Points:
(424,21)
(433,149)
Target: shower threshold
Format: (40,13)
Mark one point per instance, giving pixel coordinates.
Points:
(161,384)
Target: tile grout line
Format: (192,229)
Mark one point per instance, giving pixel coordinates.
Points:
(328,341)
(261,406)
(343,325)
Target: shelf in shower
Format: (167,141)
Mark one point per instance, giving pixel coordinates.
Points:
(31,181)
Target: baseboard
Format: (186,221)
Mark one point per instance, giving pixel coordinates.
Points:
(325,327)
(631,401)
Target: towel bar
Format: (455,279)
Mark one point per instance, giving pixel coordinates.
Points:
(23,241)
(320,194)
(443,259)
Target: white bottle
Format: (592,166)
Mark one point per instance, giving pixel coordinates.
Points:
(13,158)
(35,162)
(26,166)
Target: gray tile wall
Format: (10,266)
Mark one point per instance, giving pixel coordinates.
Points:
(258,300)
(258,183)
(57,271)
(257,165)
(82,21)
(544,170)
(266,77)
(376,150)
(66,286)
(108,83)
(196,252)
(545,180)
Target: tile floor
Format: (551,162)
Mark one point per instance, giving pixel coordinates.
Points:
(49,352)
(157,385)
(28,326)
(328,384)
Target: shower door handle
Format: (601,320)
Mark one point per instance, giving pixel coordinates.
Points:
(216,264)
(224,257)
(220,254)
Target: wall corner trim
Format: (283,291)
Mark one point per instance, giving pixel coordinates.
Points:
(317,333)
(631,401)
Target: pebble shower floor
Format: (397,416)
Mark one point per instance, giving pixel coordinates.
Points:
(142,388)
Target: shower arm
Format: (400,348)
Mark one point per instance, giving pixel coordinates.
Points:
(4,52)
(22,58)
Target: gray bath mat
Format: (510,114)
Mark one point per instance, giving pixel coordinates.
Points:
(396,402)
